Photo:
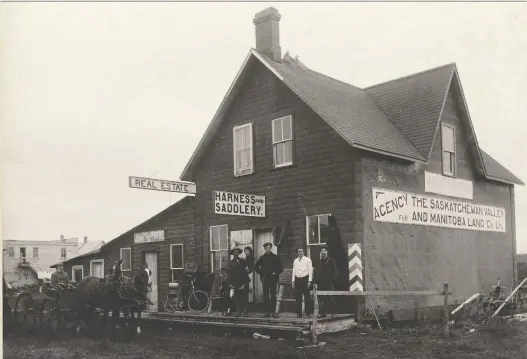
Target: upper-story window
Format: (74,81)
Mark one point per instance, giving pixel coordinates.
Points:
(243,149)
(283,141)
(11,252)
(448,141)
(63,253)
(35,252)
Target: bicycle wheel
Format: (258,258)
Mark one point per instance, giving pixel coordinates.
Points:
(198,301)
(173,301)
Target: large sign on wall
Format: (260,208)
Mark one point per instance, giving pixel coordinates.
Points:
(448,186)
(408,208)
(238,204)
(149,237)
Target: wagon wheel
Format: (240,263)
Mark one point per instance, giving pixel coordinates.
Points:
(50,315)
(25,313)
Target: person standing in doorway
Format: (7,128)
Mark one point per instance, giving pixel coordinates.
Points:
(269,266)
(302,279)
(238,280)
(324,279)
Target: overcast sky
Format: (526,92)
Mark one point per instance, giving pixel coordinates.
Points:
(95,92)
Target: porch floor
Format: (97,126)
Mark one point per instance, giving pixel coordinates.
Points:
(284,322)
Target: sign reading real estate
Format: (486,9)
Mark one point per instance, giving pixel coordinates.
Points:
(448,186)
(238,204)
(149,237)
(162,185)
(408,208)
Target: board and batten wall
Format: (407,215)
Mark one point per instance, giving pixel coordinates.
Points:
(407,257)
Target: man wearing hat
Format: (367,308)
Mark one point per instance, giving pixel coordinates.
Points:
(325,277)
(269,266)
(238,281)
(59,277)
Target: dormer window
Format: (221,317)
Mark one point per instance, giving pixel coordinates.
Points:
(448,142)
(243,149)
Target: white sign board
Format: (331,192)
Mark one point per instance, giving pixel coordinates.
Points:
(448,186)
(408,208)
(238,204)
(162,185)
(149,237)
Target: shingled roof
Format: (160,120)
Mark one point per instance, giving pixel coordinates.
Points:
(398,118)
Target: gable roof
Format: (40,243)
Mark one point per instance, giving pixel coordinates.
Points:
(184,202)
(381,118)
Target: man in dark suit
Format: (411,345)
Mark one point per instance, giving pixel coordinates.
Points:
(325,277)
(269,266)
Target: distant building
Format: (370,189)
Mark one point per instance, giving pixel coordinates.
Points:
(27,260)
(521,260)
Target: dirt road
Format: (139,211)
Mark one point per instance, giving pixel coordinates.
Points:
(505,341)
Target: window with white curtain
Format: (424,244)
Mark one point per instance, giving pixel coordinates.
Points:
(282,141)
(219,247)
(243,149)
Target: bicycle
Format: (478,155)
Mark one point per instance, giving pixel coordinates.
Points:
(197,300)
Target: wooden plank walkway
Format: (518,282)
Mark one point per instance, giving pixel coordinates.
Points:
(285,322)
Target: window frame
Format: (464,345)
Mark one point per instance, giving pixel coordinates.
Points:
(182,256)
(37,252)
(11,252)
(76,267)
(121,256)
(25,252)
(212,252)
(65,253)
(452,155)
(96,261)
(234,149)
(275,143)
(308,245)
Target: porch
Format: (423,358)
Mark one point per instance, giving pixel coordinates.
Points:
(285,322)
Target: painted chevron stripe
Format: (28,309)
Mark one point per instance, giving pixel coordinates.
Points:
(355,267)
(356,287)
(354,261)
(355,279)
(354,247)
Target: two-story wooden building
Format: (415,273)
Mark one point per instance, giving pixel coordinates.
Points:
(390,176)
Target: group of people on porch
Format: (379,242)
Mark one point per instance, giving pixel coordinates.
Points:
(235,290)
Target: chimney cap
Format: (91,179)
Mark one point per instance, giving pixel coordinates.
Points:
(265,14)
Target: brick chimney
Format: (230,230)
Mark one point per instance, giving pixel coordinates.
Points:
(267,33)
(85,240)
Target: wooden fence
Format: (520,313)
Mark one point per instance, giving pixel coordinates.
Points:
(445,293)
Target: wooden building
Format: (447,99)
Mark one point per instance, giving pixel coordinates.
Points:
(165,242)
(390,176)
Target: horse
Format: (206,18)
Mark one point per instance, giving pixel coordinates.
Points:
(128,290)
(112,293)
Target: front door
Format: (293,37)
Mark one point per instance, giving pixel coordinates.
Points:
(151,260)
(260,239)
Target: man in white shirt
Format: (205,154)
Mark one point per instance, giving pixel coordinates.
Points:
(302,279)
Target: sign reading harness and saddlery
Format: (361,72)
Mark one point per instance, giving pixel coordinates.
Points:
(409,208)
(149,237)
(238,204)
